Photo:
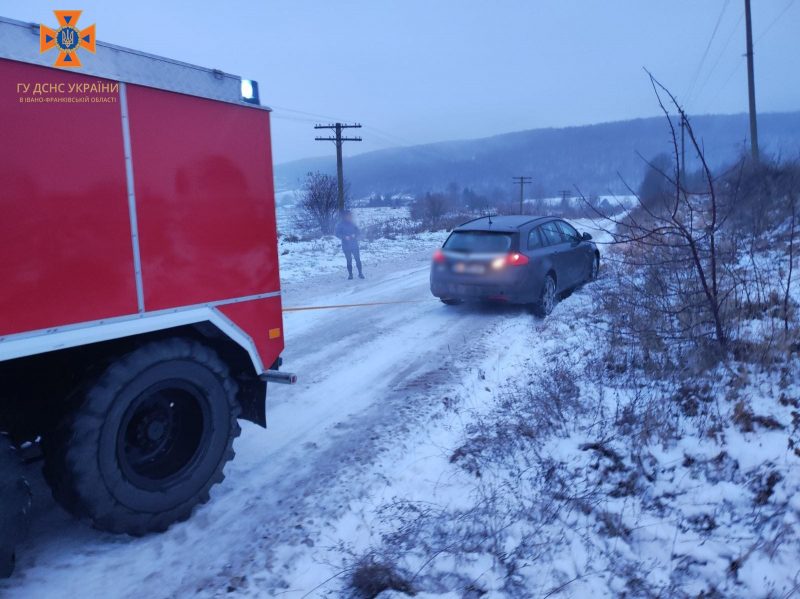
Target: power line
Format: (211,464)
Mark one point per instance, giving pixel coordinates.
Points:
(316,116)
(297,119)
(775,20)
(720,56)
(339,141)
(706,51)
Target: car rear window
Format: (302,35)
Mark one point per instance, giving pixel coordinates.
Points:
(478,242)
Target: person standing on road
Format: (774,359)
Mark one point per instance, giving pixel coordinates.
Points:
(348,232)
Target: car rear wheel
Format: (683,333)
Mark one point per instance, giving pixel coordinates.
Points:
(147,440)
(547,301)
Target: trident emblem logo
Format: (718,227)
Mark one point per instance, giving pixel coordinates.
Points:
(67,38)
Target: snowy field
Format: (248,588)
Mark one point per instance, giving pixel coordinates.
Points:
(390,433)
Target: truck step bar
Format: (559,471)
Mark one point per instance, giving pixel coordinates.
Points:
(275,376)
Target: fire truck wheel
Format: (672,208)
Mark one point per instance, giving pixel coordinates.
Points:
(147,439)
(15,503)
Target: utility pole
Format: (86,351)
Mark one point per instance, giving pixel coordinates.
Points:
(521,181)
(339,140)
(565,195)
(751,86)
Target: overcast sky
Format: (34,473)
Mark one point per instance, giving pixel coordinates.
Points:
(415,71)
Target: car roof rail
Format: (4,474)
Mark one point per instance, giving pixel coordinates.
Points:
(533,220)
(516,226)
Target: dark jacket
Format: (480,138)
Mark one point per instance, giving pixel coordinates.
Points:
(348,232)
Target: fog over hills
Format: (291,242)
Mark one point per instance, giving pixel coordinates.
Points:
(592,157)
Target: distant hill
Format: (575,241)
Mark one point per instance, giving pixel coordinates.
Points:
(589,156)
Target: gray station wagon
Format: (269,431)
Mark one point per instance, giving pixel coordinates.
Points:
(515,259)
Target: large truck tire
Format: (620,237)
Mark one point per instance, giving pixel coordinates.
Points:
(15,504)
(146,439)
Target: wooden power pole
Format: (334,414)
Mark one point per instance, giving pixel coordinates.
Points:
(339,141)
(521,181)
(751,86)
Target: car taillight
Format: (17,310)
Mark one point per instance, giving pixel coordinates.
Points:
(438,256)
(512,259)
(516,259)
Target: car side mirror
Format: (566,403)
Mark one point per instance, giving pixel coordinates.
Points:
(586,237)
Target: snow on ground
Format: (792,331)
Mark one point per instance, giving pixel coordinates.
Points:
(387,395)
(419,468)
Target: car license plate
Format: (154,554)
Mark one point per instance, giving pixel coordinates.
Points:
(469,269)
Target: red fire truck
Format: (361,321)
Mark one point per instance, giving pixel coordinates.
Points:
(140,310)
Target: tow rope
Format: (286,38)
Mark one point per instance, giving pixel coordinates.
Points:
(333,307)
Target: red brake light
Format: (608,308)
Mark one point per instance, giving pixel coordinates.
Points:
(438,256)
(517,259)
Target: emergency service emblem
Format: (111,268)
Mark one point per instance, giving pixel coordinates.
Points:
(67,38)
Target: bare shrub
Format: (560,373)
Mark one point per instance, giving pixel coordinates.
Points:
(431,209)
(372,576)
(318,205)
(451,221)
(766,191)
(547,404)
(391,229)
